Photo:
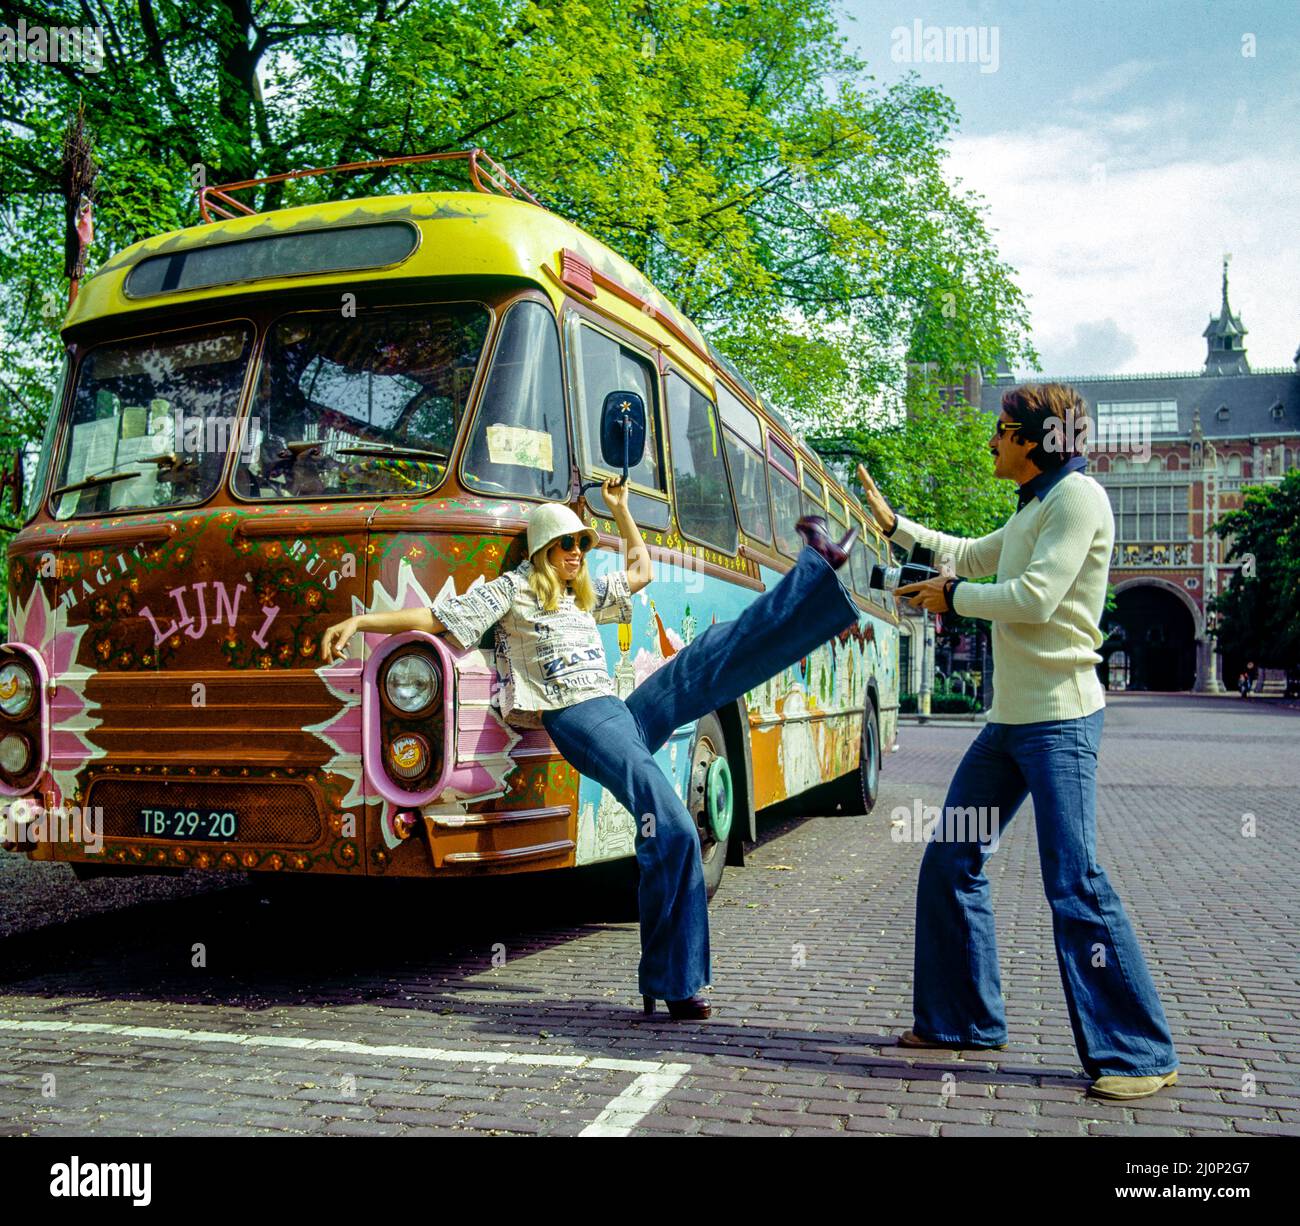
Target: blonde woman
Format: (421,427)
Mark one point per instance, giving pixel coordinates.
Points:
(554,676)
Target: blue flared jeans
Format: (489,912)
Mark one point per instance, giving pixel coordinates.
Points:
(1119,1025)
(614,742)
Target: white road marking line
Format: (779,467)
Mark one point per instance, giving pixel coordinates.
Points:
(653,1081)
(635,1103)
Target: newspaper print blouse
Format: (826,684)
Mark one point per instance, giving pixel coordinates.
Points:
(544,660)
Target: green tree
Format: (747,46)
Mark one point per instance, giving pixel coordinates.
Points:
(1259,612)
(931,461)
(737,152)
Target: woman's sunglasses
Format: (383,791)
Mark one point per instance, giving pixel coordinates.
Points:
(567,543)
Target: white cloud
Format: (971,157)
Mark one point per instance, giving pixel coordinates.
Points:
(1113,81)
(1096,237)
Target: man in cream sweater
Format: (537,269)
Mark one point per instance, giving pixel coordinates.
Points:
(1044,729)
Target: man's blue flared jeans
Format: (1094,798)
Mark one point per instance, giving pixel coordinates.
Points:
(1119,1025)
(614,742)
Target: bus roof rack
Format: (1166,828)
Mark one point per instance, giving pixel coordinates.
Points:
(486,175)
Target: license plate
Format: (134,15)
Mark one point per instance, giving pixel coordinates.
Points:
(207,825)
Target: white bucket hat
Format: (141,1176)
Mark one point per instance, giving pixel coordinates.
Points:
(551,520)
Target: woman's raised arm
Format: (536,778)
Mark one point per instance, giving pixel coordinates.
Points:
(638,556)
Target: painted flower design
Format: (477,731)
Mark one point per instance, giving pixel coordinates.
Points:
(343,732)
(72,716)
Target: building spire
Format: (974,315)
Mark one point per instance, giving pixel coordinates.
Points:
(1225,346)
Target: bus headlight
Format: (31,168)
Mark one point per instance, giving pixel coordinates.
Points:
(408,756)
(15,754)
(411,683)
(17,689)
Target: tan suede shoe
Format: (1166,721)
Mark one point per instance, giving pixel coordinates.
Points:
(1131,1087)
(909,1038)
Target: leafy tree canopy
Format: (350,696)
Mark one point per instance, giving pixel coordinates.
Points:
(1259,613)
(738,152)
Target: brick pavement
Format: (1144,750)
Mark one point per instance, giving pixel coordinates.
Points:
(812,952)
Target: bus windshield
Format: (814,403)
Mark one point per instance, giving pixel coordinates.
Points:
(151,421)
(360,406)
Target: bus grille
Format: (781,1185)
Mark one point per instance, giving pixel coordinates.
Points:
(268,812)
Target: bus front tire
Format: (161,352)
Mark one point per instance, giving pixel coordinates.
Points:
(710,746)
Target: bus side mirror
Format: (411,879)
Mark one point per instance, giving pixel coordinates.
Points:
(622,433)
(13,479)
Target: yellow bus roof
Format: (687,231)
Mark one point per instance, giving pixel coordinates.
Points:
(462,234)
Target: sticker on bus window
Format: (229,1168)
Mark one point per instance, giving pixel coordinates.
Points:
(521,446)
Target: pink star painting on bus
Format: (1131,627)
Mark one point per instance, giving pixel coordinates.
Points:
(71,713)
(480,772)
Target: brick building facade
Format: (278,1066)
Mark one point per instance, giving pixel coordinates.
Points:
(1173,451)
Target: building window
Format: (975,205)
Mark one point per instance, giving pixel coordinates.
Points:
(1152,513)
(1222,413)
(1120,421)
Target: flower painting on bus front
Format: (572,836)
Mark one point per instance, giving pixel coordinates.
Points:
(37,624)
(479,775)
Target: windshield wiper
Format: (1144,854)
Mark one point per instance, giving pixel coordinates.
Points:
(89,481)
(390,452)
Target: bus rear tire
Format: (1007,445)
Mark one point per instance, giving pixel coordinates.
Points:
(869,763)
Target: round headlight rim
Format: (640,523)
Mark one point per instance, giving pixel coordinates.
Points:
(435,673)
(33,689)
(29,754)
(407,782)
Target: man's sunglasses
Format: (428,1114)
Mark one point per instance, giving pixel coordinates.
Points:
(1005,427)
(583,543)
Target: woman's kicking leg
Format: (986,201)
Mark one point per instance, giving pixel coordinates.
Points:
(603,741)
(808,606)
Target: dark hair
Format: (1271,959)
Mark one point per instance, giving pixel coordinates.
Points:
(1036,406)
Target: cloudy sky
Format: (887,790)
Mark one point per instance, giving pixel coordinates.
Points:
(1123,148)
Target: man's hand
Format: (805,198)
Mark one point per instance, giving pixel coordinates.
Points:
(615,493)
(875,500)
(928,594)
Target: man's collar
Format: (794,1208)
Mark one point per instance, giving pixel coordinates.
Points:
(1037,487)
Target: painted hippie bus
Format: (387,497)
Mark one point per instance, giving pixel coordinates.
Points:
(268,422)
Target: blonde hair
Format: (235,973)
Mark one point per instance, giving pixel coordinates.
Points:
(548,587)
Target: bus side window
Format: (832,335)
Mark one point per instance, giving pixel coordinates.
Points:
(520,443)
(861,563)
(603,365)
(744,442)
(700,488)
(814,494)
(785,498)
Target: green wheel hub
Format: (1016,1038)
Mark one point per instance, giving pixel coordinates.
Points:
(718,798)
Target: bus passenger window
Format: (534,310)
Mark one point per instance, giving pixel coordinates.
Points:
(785,498)
(703,496)
(604,366)
(748,472)
(520,443)
(360,407)
(814,495)
(860,564)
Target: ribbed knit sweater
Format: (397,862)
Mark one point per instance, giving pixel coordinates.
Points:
(1051,560)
